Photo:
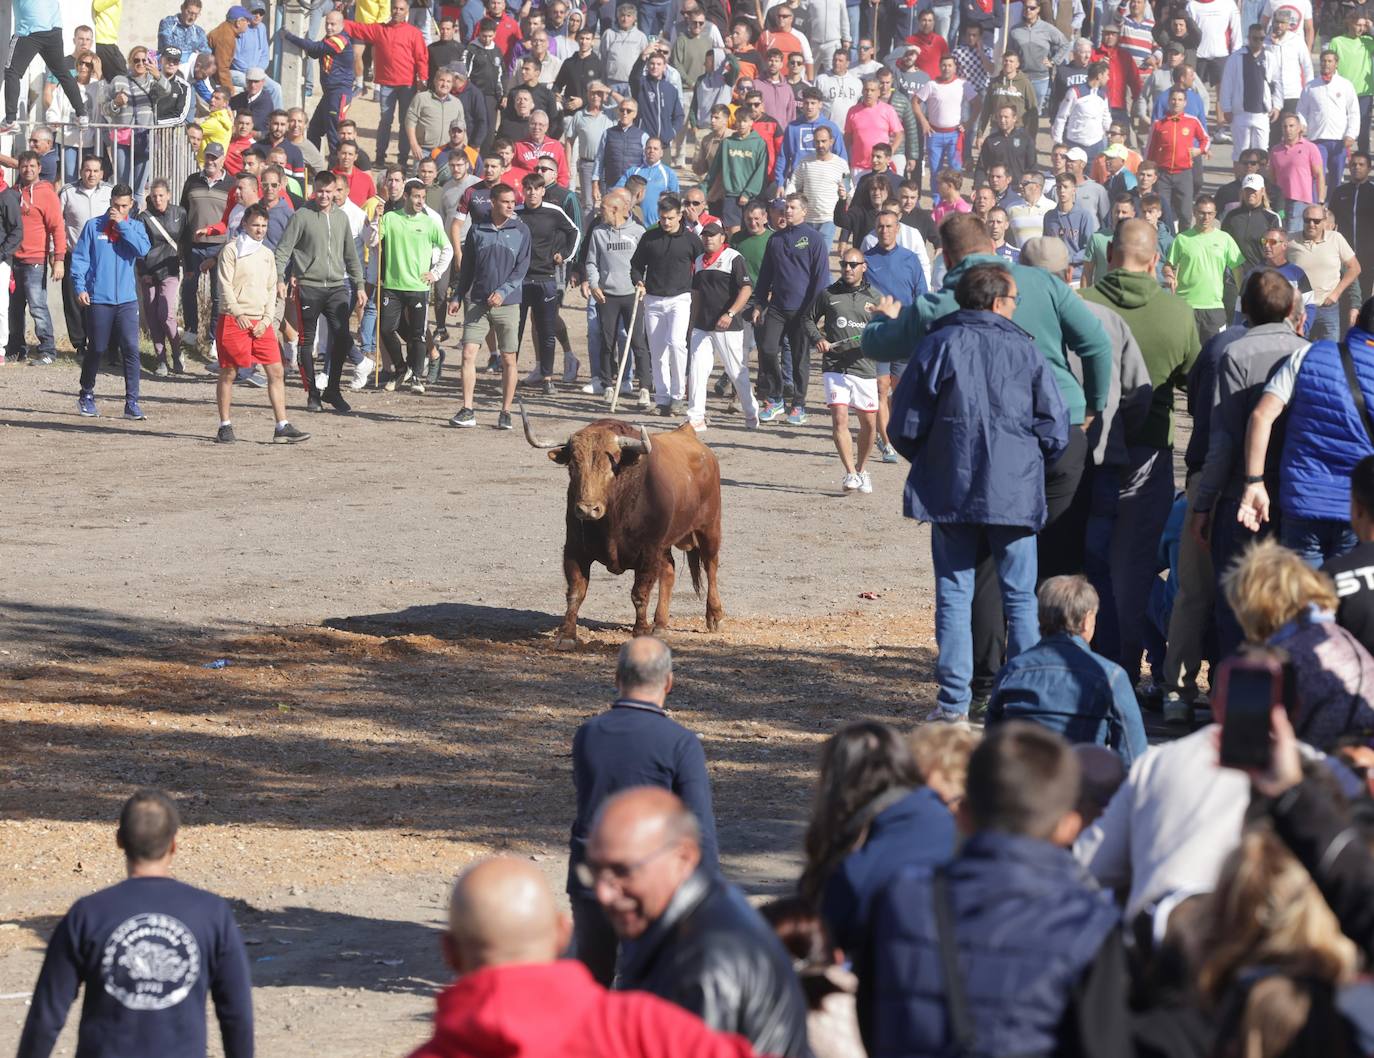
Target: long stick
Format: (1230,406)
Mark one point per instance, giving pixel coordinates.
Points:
(377,303)
(625,353)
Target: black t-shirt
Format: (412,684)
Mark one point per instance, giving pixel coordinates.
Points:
(663,262)
(716,286)
(1354,577)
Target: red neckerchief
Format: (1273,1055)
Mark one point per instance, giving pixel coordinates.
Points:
(1327,77)
(708,259)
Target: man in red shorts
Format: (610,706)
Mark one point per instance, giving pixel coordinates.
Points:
(248,307)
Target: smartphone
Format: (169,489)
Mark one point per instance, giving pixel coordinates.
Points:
(1248,688)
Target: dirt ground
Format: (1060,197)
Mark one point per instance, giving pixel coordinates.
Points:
(386,595)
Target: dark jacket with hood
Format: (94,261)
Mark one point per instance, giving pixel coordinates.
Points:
(713,954)
(1163,324)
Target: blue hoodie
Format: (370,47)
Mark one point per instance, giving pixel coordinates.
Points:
(105,269)
(495,261)
(795,269)
(896,273)
(799,143)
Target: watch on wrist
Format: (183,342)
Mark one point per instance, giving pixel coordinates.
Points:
(1254,479)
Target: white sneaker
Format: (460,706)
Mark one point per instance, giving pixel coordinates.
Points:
(362,371)
(594,388)
(645,401)
(865,482)
(852,482)
(699,427)
(417,386)
(571,365)
(321,380)
(189,339)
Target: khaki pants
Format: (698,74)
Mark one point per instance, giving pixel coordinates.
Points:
(1192,607)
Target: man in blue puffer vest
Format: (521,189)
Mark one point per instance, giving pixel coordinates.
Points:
(1041,964)
(106,284)
(1324,438)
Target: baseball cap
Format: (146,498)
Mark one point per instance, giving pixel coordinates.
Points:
(1117,150)
(1047,252)
(257,73)
(1077,154)
(174,54)
(1253,182)
(214,150)
(259,9)
(457,123)
(1112,27)
(1175,48)
(237,12)
(712,229)
(778,203)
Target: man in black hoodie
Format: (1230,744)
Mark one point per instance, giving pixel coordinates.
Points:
(553,241)
(662,271)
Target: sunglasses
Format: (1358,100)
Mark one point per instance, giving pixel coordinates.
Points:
(851,264)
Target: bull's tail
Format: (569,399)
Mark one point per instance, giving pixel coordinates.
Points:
(694,565)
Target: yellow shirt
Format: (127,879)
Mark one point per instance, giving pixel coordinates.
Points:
(105,14)
(218,125)
(372,10)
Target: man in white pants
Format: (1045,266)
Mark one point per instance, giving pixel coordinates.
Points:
(1251,92)
(661,268)
(720,290)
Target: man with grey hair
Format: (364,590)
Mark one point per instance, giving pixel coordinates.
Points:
(1061,684)
(634,743)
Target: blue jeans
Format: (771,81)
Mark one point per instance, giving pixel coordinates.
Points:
(946,19)
(653,18)
(1294,217)
(391,98)
(1326,323)
(367,333)
(593,340)
(31,289)
(131,163)
(1042,91)
(943,148)
(1333,158)
(1316,539)
(853,12)
(954,553)
(103,324)
(827,231)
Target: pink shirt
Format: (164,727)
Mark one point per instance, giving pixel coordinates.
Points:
(944,209)
(866,126)
(1292,168)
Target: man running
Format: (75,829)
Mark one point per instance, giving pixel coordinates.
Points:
(415,252)
(720,290)
(248,307)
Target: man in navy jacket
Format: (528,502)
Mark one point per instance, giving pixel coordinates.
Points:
(149,952)
(634,743)
(978,415)
(106,284)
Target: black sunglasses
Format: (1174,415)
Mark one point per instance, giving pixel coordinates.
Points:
(851,264)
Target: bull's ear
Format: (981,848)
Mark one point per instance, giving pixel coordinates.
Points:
(559,455)
(626,457)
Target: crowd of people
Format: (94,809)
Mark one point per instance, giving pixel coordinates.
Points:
(1034,261)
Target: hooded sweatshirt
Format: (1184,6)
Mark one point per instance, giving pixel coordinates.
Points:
(534,1010)
(1164,326)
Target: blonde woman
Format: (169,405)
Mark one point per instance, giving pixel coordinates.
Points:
(1281,601)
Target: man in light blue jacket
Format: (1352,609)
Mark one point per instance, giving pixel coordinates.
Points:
(106,285)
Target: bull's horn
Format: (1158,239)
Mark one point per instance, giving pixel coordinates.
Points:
(529,434)
(642,445)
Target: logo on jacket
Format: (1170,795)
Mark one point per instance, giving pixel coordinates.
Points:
(151,962)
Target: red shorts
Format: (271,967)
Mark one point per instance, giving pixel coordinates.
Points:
(238,348)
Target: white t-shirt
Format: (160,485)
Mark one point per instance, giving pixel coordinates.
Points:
(1301,8)
(944,102)
(840,92)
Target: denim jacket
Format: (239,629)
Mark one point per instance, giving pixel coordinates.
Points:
(1061,684)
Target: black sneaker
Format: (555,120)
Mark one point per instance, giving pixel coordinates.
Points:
(335,398)
(288,435)
(548,386)
(313,404)
(434,367)
(465,417)
(225,435)
(503,421)
(978,708)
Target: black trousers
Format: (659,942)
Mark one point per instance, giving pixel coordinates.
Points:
(613,314)
(1059,547)
(112,62)
(47,44)
(72,309)
(594,942)
(539,299)
(403,316)
(333,305)
(776,325)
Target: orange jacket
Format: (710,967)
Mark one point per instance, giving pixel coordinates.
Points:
(43,227)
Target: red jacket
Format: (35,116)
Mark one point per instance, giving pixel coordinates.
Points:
(400,56)
(1122,73)
(527,156)
(1171,141)
(540,1010)
(43,225)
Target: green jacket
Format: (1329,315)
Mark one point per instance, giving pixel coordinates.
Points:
(319,250)
(1166,331)
(741,165)
(1049,311)
(1355,61)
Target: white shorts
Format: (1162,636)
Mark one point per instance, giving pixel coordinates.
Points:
(858,393)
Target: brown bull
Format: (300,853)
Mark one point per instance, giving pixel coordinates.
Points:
(630,502)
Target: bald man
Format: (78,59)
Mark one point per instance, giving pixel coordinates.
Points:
(1169,343)
(687,935)
(634,743)
(514,996)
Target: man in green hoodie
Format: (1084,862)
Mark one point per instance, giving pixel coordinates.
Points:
(1057,320)
(1165,329)
(741,166)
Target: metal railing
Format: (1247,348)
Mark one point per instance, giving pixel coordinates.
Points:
(134,156)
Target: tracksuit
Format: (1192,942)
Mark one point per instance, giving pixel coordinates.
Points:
(335,53)
(104,264)
(409,242)
(551,232)
(794,271)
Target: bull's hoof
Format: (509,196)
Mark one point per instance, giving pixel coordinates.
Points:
(643,630)
(566,640)
(713,622)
